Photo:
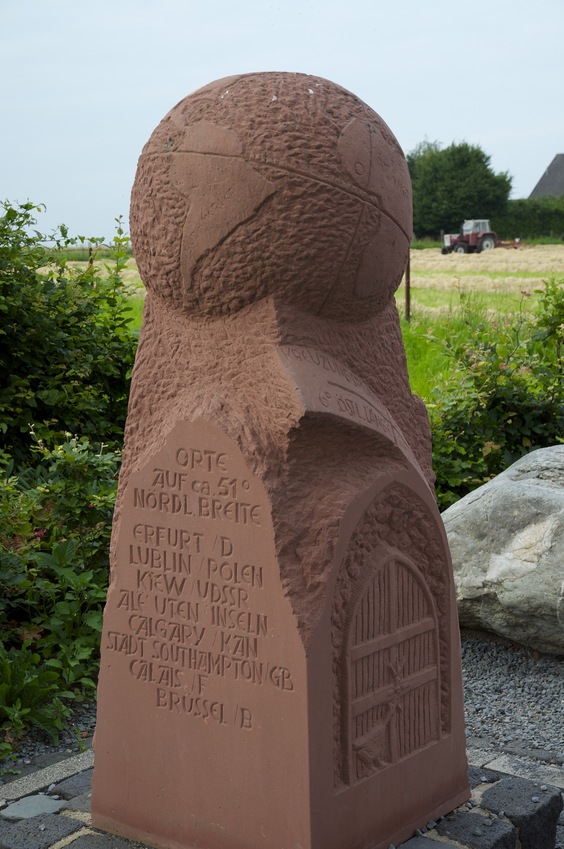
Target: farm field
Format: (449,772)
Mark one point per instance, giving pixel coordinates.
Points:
(508,266)
(454,297)
(500,276)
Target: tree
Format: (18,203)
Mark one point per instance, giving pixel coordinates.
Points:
(452,184)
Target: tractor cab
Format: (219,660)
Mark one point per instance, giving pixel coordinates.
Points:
(476,226)
(475,236)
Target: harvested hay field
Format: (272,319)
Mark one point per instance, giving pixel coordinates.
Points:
(500,270)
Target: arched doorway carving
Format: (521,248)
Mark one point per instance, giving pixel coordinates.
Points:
(391,675)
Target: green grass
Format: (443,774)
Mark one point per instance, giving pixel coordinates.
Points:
(451,299)
(423,244)
(136,309)
(429,336)
(488,275)
(545,240)
(427,363)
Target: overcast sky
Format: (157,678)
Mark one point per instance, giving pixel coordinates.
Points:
(83,85)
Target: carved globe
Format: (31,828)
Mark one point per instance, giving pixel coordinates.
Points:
(272,185)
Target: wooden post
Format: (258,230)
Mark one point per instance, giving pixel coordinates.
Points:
(408,289)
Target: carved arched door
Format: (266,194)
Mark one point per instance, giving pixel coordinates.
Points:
(392,673)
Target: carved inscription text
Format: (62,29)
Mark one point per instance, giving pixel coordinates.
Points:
(191,602)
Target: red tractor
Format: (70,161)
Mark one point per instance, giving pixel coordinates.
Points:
(475,236)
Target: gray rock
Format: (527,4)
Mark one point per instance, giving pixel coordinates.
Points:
(477,832)
(535,817)
(31,806)
(507,545)
(477,776)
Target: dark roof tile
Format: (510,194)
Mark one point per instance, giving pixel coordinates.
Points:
(552,181)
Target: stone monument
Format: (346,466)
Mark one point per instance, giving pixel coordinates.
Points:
(280,658)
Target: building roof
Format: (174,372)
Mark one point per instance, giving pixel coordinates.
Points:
(552,181)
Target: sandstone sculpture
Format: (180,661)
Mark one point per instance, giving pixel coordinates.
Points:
(280,660)
(507,544)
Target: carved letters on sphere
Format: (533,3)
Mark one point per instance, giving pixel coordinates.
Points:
(280,664)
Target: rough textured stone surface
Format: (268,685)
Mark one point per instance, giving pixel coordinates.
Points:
(535,814)
(426,843)
(478,832)
(37,833)
(560,832)
(280,641)
(242,161)
(507,545)
(78,803)
(477,776)
(75,785)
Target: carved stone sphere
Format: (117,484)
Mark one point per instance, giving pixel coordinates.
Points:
(272,185)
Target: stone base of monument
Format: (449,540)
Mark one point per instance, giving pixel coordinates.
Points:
(243,739)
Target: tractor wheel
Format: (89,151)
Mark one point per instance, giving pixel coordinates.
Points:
(487,243)
(461,248)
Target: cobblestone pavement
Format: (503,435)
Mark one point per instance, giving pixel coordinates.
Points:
(50,808)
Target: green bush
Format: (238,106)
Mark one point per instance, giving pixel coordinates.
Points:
(55,525)
(65,345)
(66,352)
(504,397)
(531,218)
(28,696)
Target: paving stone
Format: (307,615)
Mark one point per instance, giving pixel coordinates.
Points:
(426,843)
(76,785)
(43,830)
(477,775)
(106,841)
(36,833)
(31,806)
(78,803)
(512,765)
(533,811)
(479,756)
(50,775)
(478,832)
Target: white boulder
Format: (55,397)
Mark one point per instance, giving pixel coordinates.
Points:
(507,544)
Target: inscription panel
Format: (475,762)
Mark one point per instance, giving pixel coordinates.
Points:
(328,386)
(193,615)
